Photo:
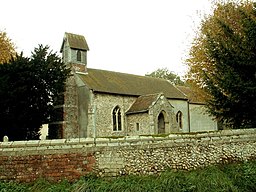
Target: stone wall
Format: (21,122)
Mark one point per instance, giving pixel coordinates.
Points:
(70,124)
(137,124)
(26,161)
(102,106)
(164,106)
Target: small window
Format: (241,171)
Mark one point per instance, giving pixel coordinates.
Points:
(78,55)
(137,126)
(117,122)
(179,119)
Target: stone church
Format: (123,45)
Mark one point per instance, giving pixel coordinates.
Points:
(100,103)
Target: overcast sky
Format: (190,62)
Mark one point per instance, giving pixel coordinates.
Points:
(131,36)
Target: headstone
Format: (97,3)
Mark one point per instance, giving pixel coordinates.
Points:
(5,139)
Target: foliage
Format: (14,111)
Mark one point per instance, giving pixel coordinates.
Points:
(232,177)
(222,63)
(28,87)
(12,186)
(7,50)
(164,73)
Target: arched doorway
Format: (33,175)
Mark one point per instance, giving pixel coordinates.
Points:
(161,123)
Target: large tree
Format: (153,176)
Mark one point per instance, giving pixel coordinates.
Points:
(7,49)
(222,63)
(28,87)
(164,73)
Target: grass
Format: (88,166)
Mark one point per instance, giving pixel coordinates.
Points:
(233,177)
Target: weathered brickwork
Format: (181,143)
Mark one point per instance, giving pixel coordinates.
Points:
(26,161)
(54,167)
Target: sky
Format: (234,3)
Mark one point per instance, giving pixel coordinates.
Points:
(130,36)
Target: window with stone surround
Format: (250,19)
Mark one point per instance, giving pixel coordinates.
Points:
(137,126)
(78,55)
(179,119)
(117,121)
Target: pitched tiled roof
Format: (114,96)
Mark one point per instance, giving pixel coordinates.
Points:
(127,84)
(192,96)
(76,42)
(143,103)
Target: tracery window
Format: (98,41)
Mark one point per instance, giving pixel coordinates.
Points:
(117,121)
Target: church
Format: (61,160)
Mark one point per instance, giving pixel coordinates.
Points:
(100,103)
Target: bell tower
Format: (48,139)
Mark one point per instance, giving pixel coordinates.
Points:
(74,52)
(66,121)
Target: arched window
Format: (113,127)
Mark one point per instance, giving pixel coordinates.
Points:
(161,123)
(117,122)
(179,119)
(78,55)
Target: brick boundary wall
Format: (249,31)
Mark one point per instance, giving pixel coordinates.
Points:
(26,161)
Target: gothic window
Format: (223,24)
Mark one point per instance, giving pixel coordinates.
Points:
(78,55)
(117,123)
(179,119)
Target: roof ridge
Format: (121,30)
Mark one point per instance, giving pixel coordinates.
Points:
(144,76)
(150,94)
(74,34)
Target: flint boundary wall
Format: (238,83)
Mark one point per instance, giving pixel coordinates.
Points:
(26,161)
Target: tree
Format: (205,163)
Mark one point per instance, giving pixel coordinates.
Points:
(222,63)
(7,50)
(164,73)
(28,88)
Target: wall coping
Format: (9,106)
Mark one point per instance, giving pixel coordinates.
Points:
(222,135)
